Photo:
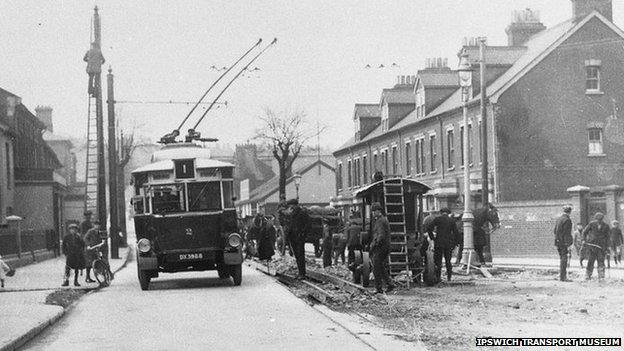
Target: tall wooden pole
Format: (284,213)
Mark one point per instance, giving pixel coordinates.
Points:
(101,184)
(112,168)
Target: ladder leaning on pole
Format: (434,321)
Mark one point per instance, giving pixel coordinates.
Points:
(395,212)
(91,174)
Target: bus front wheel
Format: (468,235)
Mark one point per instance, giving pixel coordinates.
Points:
(144,279)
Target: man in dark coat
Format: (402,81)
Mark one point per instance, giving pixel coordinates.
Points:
(92,238)
(563,240)
(446,234)
(298,227)
(73,247)
(266,239)
(616,241)
(596,235)
(86,224)
(380,249)
(354,230)
(94,60)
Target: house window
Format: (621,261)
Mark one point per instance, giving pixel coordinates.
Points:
(384,118)
(470,149)
(451,148)
(8,165)
(394,160)
(384,159)
(420,156)
(375,163)
(461,144)
(408,161)
(364,170)
(592,81)
(595,141)
(349,176)
(357,172)
(339,177)
(432,151)
(480,141)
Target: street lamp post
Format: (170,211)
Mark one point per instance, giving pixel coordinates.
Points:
(297,179)
(465,82)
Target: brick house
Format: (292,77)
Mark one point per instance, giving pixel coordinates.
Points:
(554,134)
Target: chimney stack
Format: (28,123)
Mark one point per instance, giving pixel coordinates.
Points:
(44,114)
(582,8)
(524,25)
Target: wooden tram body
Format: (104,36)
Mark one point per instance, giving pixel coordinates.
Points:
(184,214)
(402,200)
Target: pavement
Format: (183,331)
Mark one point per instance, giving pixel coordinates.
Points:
(23,312)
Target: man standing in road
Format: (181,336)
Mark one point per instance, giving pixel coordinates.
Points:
(380,249)
(354,231)
(596,235)
(299,225)
(563,240)
(73,247)
(446,234)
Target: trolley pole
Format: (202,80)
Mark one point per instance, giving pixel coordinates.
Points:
(112,168)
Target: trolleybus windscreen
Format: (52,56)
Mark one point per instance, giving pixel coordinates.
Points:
(168,198)
(205,196)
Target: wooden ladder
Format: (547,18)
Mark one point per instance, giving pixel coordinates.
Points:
(394,202)
(91,174)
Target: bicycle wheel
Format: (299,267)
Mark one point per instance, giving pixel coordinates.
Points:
(100,271)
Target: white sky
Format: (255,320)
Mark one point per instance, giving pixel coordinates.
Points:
(162,50)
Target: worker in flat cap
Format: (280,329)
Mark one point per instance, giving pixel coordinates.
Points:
(298,228)
(73,247)
(596,235)
(563,240)
(380,249)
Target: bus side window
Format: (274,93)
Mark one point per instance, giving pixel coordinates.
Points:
(138,204)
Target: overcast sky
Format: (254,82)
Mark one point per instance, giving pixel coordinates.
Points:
(162,50)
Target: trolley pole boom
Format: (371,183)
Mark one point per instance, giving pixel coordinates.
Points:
(171,136)
(191,133)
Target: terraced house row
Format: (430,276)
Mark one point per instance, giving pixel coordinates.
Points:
(554,128)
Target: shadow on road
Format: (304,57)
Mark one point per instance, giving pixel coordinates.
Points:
(181,282)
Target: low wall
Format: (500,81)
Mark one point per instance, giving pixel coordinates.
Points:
(526,229)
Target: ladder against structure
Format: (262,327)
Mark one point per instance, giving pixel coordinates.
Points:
(91,174)
(395,212)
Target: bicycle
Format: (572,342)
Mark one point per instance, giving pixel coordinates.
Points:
(101,268)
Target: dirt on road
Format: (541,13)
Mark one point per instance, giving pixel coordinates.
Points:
(530,303)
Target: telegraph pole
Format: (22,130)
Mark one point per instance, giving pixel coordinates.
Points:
(112,168)
(101,184)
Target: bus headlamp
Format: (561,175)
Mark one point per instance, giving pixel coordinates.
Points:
(234,240)
(144,245)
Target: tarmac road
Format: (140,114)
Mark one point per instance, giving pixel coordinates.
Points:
(194,311)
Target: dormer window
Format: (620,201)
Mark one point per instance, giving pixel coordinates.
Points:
(592,76)
(385,118)
(420,102)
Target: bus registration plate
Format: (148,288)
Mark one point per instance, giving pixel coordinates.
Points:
(191,256)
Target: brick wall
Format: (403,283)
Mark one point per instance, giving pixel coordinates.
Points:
(526,229)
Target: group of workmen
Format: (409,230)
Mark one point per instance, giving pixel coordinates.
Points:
(595,242)
(78,248)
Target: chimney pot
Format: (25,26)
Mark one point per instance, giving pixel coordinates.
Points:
(44,114)
(582,8)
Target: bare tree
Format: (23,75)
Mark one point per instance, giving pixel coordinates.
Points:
(286,132)
(126,147)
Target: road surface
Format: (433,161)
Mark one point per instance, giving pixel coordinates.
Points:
(195,311)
